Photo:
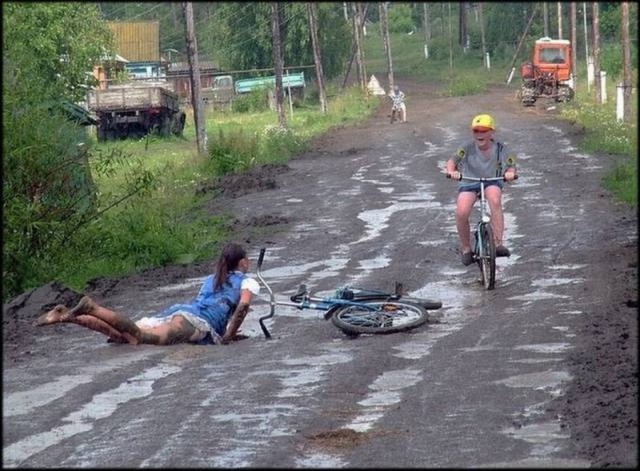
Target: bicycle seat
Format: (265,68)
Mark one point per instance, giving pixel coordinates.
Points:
(300,294)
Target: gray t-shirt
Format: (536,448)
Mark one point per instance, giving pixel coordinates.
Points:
(472,163)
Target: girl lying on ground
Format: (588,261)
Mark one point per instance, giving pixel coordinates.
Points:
(214,316)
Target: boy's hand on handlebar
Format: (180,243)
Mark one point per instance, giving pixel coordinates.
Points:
(455,175)
(510,175)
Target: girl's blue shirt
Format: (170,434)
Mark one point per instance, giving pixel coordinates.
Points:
(215,308)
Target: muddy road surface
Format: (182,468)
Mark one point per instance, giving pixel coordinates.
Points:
(540,372)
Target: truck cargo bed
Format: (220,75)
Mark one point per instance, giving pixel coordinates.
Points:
(127,98)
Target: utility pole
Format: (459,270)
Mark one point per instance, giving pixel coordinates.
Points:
(278,62)
(312,9)
(194,74)
(545,18)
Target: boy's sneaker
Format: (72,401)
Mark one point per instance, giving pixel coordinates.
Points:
(467,258)
(502,251)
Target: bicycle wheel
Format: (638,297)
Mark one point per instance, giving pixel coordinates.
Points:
(487,256)
(386,317)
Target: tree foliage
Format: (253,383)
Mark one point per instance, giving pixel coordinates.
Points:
(50,47)
(48,52)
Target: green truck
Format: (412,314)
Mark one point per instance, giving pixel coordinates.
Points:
(225,89)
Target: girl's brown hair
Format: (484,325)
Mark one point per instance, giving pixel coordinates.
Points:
(228,261)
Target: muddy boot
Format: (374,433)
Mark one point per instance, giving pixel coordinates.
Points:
(54,316)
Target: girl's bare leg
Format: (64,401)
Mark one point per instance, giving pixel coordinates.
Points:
(88,313)
(60,314)
(121,324)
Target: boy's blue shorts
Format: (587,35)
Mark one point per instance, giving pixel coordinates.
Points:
(475,186)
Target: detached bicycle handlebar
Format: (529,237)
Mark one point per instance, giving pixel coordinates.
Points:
(272,302)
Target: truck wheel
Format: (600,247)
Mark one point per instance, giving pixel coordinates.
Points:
(165,126)
(101,132)
(179,120)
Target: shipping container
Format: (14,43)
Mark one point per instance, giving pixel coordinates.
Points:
(137,41)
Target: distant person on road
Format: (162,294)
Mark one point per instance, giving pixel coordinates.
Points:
(397,96)
(214,316)
(484,157)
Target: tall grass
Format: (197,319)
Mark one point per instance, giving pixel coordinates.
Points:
(604,133)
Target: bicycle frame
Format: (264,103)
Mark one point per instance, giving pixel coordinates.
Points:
(485,247)
(368,300)
(484,251)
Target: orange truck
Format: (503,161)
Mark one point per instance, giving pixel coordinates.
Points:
(548,75)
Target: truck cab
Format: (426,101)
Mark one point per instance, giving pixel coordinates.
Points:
(553,55)
(222,90)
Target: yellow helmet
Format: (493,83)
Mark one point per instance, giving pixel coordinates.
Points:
(483,122)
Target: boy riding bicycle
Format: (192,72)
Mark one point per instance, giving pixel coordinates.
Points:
(484,157)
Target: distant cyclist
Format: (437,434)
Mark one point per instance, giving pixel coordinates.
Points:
(397,96)
(484,157)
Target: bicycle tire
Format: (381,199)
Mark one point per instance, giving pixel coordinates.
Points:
(428,304)
(392,317)
(487,257)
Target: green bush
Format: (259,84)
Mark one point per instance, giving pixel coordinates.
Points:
(277,144)
(462,85)
(47,191)
(232,152)
(400,20)
(255,101)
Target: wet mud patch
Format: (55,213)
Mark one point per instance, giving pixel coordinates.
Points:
(20,313)
(344,438)
(259,178)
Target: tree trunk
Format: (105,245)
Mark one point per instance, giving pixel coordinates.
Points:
(353,53)
(358,20)
(278,63)
(194,74)
(596,51)
(450,42)
(626,63)
(425,22)
(484,43)
(559,20)
(545,18)
(462,24)
(312,9)
(384,21)
(574,43)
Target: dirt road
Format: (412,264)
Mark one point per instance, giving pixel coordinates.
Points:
(540,372)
